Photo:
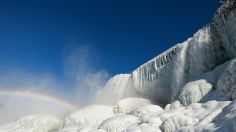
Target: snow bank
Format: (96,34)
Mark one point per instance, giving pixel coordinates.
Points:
(147,109)
(33,123)
(129,104)
(91,115)
(118,123)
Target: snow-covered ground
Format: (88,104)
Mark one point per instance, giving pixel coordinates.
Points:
(189,88)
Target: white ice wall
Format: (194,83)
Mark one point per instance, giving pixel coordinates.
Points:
(199,54)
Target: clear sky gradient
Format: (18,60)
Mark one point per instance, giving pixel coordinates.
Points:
(35,34)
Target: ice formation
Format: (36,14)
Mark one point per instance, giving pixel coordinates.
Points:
(175,122)
(180,64)
(194,92)
(193,81)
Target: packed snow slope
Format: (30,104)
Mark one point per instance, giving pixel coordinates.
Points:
(191,87)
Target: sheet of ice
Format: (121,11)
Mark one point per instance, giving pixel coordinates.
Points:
(117,88)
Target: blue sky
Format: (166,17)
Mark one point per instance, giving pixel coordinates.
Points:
(38,36)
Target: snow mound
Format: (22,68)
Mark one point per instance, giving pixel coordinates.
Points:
(227,81)
(118,123)
(175,122)
(33,123)
(129,104)
(91,115)
(152,119)
(147,109)
(194,92)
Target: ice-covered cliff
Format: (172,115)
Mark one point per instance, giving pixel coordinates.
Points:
(162,78)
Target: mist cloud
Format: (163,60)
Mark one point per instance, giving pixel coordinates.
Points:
(80,82)
(80,67)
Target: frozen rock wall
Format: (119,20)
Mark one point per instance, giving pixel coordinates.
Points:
(162,78)
(211,46)
(227,81)
(225,23)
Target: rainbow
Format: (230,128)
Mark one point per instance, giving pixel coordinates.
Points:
(41,96)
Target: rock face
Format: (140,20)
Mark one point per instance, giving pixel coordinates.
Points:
(227,81)
(224,22)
